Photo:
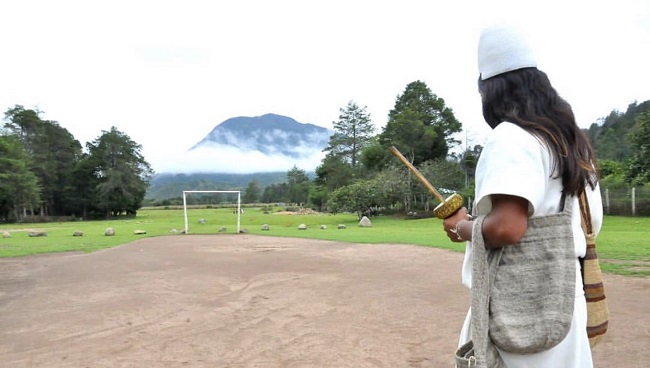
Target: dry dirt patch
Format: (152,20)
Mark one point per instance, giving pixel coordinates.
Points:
(254,301)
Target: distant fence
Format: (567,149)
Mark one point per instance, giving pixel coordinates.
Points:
(627,201)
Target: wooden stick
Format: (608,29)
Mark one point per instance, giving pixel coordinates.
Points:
(417,173)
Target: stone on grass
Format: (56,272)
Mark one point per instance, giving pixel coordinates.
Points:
(323,227)
(173,231)
(78,233)
(340,226)
(243,231)
(223,229)
(265,227)
(139,232)
(302,227)
(109,231)
(202,221)
(6,234)
(365,222)
(34,234)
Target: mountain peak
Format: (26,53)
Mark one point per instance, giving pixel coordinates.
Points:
(270,134)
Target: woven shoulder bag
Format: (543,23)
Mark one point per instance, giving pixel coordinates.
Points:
(533,294)
(523,294)
(592,280)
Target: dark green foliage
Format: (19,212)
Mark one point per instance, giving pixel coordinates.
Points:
(375,157)
(333,173)
(84,185)
(363,197)
(275,193)
(298,186)
(421,125)
(53,178)
(639,169)
(611,137)
(52,152)
(122,171)
(610,168)
(621,141)
(63,151)
(352,132)
(443,174)
(468,161)
(19,187)
(252,193)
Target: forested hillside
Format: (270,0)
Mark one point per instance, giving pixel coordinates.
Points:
(612,135)
(165,186)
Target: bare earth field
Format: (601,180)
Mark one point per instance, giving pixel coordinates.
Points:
(251,301)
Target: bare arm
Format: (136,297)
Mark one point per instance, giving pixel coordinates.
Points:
(506,224)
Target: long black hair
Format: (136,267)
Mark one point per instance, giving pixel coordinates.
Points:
(526,98)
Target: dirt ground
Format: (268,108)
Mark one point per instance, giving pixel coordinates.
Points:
(251,301)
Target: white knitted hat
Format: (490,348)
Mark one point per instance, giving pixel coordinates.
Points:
(503,48)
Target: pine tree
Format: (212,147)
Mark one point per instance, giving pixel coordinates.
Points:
(352,132)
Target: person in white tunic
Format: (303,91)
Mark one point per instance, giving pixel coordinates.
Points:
(535,153)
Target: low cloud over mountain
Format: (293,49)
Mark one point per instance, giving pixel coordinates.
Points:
(264,143)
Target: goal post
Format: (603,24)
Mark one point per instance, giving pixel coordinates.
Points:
(185,192)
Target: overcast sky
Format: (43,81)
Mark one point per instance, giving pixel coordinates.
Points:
(167,72)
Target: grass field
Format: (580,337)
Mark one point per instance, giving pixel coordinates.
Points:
(623,243)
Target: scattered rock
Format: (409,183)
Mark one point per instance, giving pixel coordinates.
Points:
(34,234)
(173,231)
(78,233)
(139,232)
(302,227)
(265,227)
(365,222)
(109,231)
(243,231)
(223,229)
(340,226)
(323,227)
(6,234)
(202,221)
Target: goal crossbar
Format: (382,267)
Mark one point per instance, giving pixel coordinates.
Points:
(185,192)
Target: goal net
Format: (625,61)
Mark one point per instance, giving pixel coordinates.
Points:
(186,192)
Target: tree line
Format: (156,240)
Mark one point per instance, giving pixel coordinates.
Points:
(45,173)
(622,144)
(359,174)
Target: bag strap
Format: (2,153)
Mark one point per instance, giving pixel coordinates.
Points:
(585,214)
(484,266)
(588,230)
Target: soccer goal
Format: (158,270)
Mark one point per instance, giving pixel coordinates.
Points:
(186,192)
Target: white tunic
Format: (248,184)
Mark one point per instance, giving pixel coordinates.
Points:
(516,163)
